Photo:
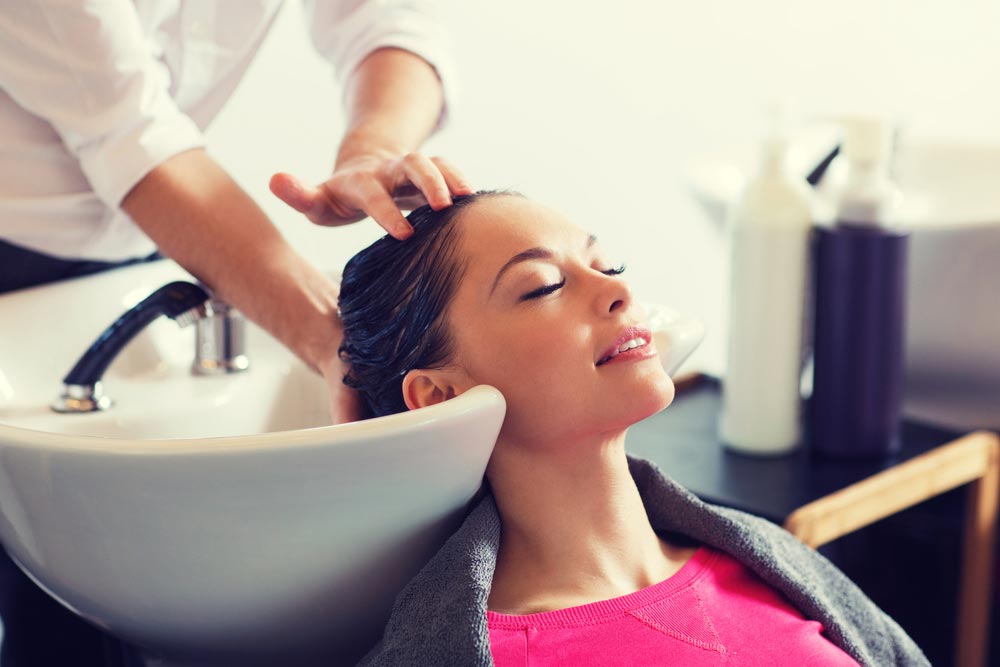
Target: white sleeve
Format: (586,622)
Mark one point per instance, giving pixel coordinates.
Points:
(87,68)
(345,31)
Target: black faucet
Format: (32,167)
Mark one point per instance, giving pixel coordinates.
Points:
(181,301)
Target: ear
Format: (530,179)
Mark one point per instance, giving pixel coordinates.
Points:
(429,387)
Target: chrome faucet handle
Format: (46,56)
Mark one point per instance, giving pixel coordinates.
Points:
(220,341)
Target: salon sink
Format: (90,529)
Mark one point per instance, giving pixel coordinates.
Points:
(217,518)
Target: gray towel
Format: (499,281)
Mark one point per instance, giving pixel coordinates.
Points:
(440,617)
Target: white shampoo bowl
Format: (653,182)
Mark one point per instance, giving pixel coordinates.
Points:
(204,518)
(272,542)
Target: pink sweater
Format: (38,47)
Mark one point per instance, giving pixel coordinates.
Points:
(713,611)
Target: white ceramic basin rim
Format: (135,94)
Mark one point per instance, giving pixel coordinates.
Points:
(230,545)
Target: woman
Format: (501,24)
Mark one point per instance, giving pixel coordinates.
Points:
(580,555)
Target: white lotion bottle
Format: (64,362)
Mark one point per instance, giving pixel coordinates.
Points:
(769,245)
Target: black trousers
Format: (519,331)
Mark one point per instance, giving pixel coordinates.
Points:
(21,267)
(37,631)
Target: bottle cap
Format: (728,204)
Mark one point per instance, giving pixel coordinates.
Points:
(868,139)
(869,197)
(775,145)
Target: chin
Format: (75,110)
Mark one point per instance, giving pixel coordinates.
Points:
(646,401)
(657,397)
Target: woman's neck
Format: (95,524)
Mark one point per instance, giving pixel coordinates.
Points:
(574,528)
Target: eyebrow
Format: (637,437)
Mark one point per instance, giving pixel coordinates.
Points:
(529,254)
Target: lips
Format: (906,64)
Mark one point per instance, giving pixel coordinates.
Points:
(630,338)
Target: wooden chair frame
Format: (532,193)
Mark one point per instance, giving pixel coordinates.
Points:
(973,459)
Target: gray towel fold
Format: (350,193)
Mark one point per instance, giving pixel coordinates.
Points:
(440,617)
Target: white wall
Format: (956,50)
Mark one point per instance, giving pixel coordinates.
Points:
(596,108)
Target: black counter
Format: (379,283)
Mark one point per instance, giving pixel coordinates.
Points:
(683,440)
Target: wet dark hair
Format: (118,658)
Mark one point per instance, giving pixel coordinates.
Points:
(393,298)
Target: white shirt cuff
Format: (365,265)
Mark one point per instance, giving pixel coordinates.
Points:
(119,162)
(346,39)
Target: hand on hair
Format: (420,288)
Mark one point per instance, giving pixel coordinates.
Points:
(377,185)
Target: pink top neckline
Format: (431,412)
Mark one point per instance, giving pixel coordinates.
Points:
(697,565)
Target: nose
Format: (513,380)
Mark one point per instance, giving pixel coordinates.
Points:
(613,296)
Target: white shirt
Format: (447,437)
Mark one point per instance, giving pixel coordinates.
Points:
(95,93)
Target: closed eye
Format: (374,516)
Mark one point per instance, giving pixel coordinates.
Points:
(549,289)
(542,291)
(615,271)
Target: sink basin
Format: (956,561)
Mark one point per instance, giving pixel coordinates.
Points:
(208,518)
(217,515)
(155,394)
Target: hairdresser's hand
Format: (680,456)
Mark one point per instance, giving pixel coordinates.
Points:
(346,404)
(376,184)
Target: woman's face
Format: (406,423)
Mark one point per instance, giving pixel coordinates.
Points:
(537,315)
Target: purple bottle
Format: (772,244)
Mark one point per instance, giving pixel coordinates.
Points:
(855,410)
